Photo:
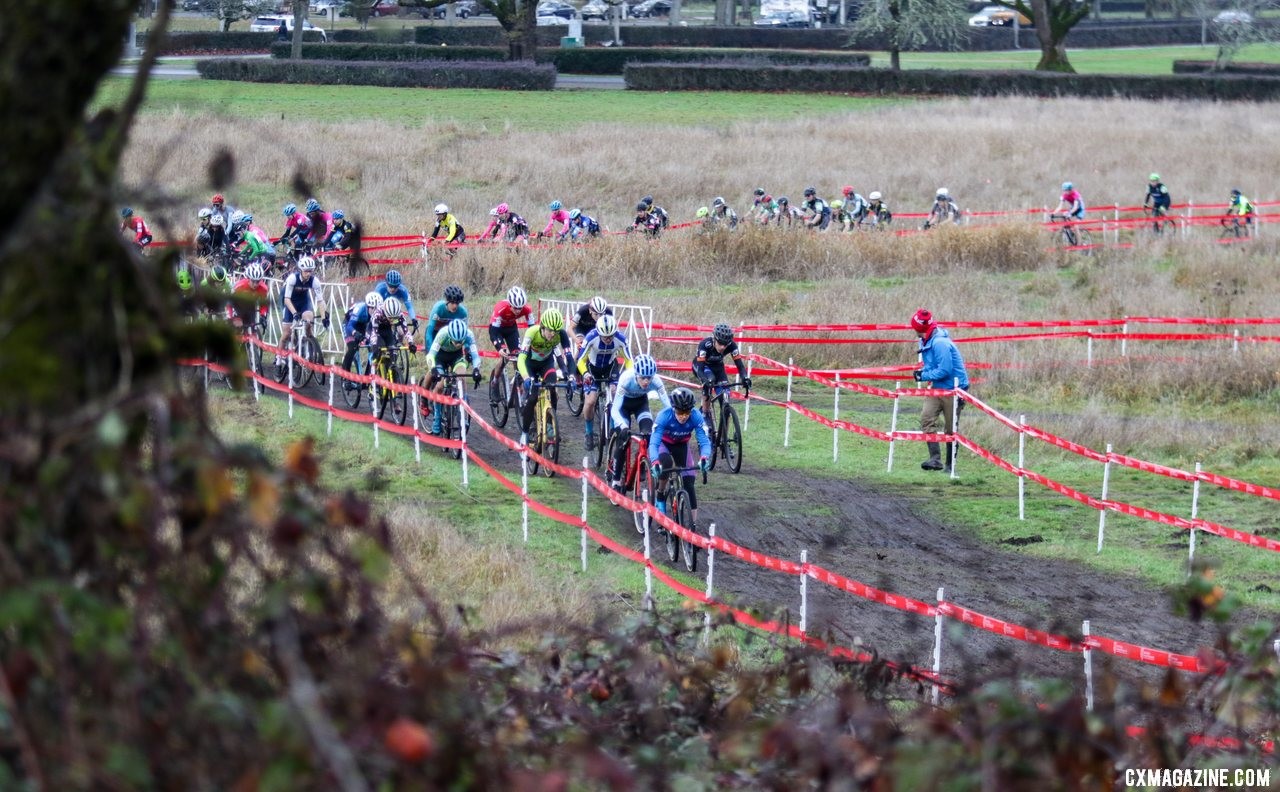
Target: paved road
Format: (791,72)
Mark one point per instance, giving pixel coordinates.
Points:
(563,81)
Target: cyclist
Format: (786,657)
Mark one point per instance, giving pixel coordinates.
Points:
(544,343)
(708,362)
(784,212)
(254,244)
(1157,197)
(558,215)
(321,224)
(135,223)
(758,196)
(445,311)
(186,293)
(249,296)
(656,211)
(204,242)
(585,318)
(216,280)
(631,400)
(450,344)
(646,221)
(877,211)
(219,207)
(355,329)
(765,210)
(235,229)
(855,207)
(1071,201)
(819,213)
(300,296)
(1240,211)
(504,325)
(703,216)
(343,235)
(673,427)
(722,213)
(296,224)
(447,224)
(602,352)
(944,210)
(390,327)
(393,286)
(582,226)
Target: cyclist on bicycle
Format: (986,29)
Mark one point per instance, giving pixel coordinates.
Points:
(445,311)
(343,235)
(296,224)
(877,211)
(1071,201)
(504,325)
(631,400)
(321,224)
(135,223)
(657,211)
(216,280)
(944,210)
(672,429)
(708,363)
(448,229)
(817,210)
(355,329)
(219,207)
(722,213)
(393,286)
(254,244)
(765,209)
(1240,211)
(204,240)
(758,197)
(1157,195)
(186,293)
(450,344)
(645,221)
(249,296)
(544,343)
(585,318)
(603,351)
(390,328)
(300,296)
(582,226)
(558,215)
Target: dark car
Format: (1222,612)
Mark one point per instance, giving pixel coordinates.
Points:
(786,19)
(650,8)
(558,8)
(461,9)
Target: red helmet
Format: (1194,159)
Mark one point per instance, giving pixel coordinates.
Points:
(217,198)
(847,190)
(923,322)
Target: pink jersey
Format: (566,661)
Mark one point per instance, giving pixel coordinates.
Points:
(321,225)
(297,221)
(494,223)
(558,216)
(506,316)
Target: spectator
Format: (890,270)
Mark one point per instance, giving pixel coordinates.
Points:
(282,32)
(940,367)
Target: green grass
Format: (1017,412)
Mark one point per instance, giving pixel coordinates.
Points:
(1118,60)
(479,112)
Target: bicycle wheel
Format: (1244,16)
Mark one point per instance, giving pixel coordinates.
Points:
(605,435)
(316,356)
(708,416)
(1068,238)
(551,446)
(281,366)
(499,408)
(357,266)
(731,439)
(253,357)
(683,514)
(643,478)
(351,390)
(399,399)
(459,415)
(381,392)
(536,441)
(671,541)
(299,374)
(574,398)
(1086,241)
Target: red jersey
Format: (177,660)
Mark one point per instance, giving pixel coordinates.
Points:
(137,225)
(506,316)
(245,285)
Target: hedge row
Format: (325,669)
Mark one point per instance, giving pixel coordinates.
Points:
(1200,67)
(843,79)
(374,35)
(515,76)
(217,41)
(581,60)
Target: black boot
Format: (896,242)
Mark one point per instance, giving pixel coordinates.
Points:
(947,467)
(934,462)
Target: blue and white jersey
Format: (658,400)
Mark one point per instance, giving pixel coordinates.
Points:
(600,352)
(358,319)
(400,292)
(628,388)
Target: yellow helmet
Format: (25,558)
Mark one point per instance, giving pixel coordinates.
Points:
(552,319)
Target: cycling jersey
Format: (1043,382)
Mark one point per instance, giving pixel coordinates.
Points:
(321,227)
(1240,206)
(450,350)
(400,292)
(558,216)
(141,234)
(669,431)
(515,227)
(1157,195)
(584,225)
(821,213)
(441,315)
(584,322)
(708,356)
(342,235)
(254,243)
(723,214)
(452,229)
(944,209)
(259,294)
(599,352)
(876,213)
(304,294)
(537,348)
(660,214)
(357,320)
(648,223)
(296,225)
(629,390)
(506,316)
(1073,199)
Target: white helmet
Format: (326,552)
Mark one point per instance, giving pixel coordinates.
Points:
(392,307)
(306,264)
(874,196)
(493,212)
(254,272)
(599,304)
(237,217)
(216,220)
(943,192)
(516,298)
(205,212)
(373,300)
(441,209)
(607,325)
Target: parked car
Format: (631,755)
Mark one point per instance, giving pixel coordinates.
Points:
(785,19)
(325,9)
(461,9)
(595,9)
(650,8)
(997,16)
(555,8)
(384,8)
(271,23)
(1233,17)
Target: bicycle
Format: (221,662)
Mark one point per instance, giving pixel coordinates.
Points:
(680,510)
(726,432)
(574,398)
(1234,227)
(1160,221)
(635,476)
(360,365)
(453,417)
(391,365)
(546,432)
(504,392)
(1073,235)
(304,342)
(604,406)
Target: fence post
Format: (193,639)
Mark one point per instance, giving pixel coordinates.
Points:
(524,483)
(893,426)
(290,381)
(255,354)
(1106,482)
(1195,510)
(711,570)
(648,563)
(1186,227)
(329,423)
(835,432)
(1089,349)
(206,371)
(746,409)
(417,427)
(1276,647)
(1235,342)
(373,408)
(1116,235)
(804,591)
(1022,466)
(937,645)
(1124,339)
(1088,668)
(955,425)
(786,425)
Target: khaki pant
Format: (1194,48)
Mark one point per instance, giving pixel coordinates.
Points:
(933,407)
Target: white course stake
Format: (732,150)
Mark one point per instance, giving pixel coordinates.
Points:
(1088,669)
(1124,338)
(746,408)
(1195,511)
(711,570)
(955,425)
(1089,350)
(1022,465)
(586,465)
(1235,342)
(1106,483)
(893,426)
(462,435)
(524,483)
(329,423)
(206,371)
(835,432)
(373,408)
(786,426)
(648,565)
(290,381)
(417,427)
(1276,646)
(937,645)
(804,592)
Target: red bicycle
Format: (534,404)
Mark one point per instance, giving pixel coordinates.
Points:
(636,476)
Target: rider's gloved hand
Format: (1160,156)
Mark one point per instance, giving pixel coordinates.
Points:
(588,380)
(915,375)
(704,464)
(326,321)
(746,383)
(475,375)
(528,384)
(413,348)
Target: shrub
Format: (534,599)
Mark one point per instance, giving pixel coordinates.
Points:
(401,35)
(392,52)
(1200,67)
(518,76)
(611,60)
(216,41)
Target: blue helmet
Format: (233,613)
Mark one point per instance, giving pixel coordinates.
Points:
(1067,186)
(645,366)
(126,212)
(556,206)
(458,330)
(246,220)
(338,214)
(393,278)
(289,210)
(312,205)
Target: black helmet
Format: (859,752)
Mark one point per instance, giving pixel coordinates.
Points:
(722,333)
(759,191)
(808,191)
(642,207)
(647,200)
(783,200)
(682,400)
(453,294)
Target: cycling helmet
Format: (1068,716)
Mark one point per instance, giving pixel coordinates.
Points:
(254,272)
(217,199)
(722,333)
(289,210)
(1235,193)
(312,205)
(783,200)
(1154,177)
(837,204)
(943,192)
(502,208)
(759,192)
(441,209)
(717,201)
(847,190)
(246,219)
(682,400)
(338,214)
(575,213)
(555,206)
(392,307)
(810,192)
(306,264)
(218,274)
(1066,186)
(607,325)
(393,278)
(516,298)
(184,280)
(922,321)
(204,213)
(702,212)
(647,200)
(875,195)
(457,330)
(642,207)
(453,294)
(217,220)
(373,300)
(552,319)
(493,212)
(126,212)
(599,304)
(645,366)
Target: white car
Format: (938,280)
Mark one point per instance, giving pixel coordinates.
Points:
(1233,17)
(997,16)
(270,24)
